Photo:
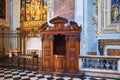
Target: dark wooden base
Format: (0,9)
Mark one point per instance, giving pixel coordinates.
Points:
(73,75)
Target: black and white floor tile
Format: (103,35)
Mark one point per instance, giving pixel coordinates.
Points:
(15,74)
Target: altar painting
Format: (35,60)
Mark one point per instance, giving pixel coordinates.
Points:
(33,10)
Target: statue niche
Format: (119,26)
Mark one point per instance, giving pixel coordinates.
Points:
(60,46)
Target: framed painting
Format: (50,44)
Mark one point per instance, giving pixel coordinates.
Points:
(115,11)
(3,9)
(109,16)
(4,4)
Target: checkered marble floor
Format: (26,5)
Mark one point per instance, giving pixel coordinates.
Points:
(15,74)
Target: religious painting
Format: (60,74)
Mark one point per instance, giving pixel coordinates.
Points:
(3,9)
(33,10)
(115,11)
(109,16)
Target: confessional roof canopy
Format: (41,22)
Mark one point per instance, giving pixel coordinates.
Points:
(60,24)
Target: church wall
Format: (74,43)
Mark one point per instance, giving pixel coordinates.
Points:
(84,10)
(91,37)
(64,8)
(79,19)
(88,37)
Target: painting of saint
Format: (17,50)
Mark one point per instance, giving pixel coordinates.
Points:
(115,11)
(3,9)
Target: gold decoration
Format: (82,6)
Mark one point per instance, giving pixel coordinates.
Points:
(96,7)
(33,14)
(95,20)
(95,23)
(35,10)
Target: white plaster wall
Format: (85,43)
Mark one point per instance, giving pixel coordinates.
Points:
(79,12)
(34,43)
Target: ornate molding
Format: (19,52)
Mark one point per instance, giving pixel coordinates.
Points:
(71,30)
(74,37)
(95,19)
(47,37)
(32,23)
(60,24)
(104,18)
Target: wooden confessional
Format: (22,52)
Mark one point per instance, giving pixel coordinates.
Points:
(60,46)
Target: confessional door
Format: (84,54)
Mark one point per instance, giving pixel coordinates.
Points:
(59,53)
(47,60)
(72,55)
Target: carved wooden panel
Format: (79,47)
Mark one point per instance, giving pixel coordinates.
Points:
(46,65)
(59,63)
(72,59)
(47,58)
(72,65)
(47,44)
